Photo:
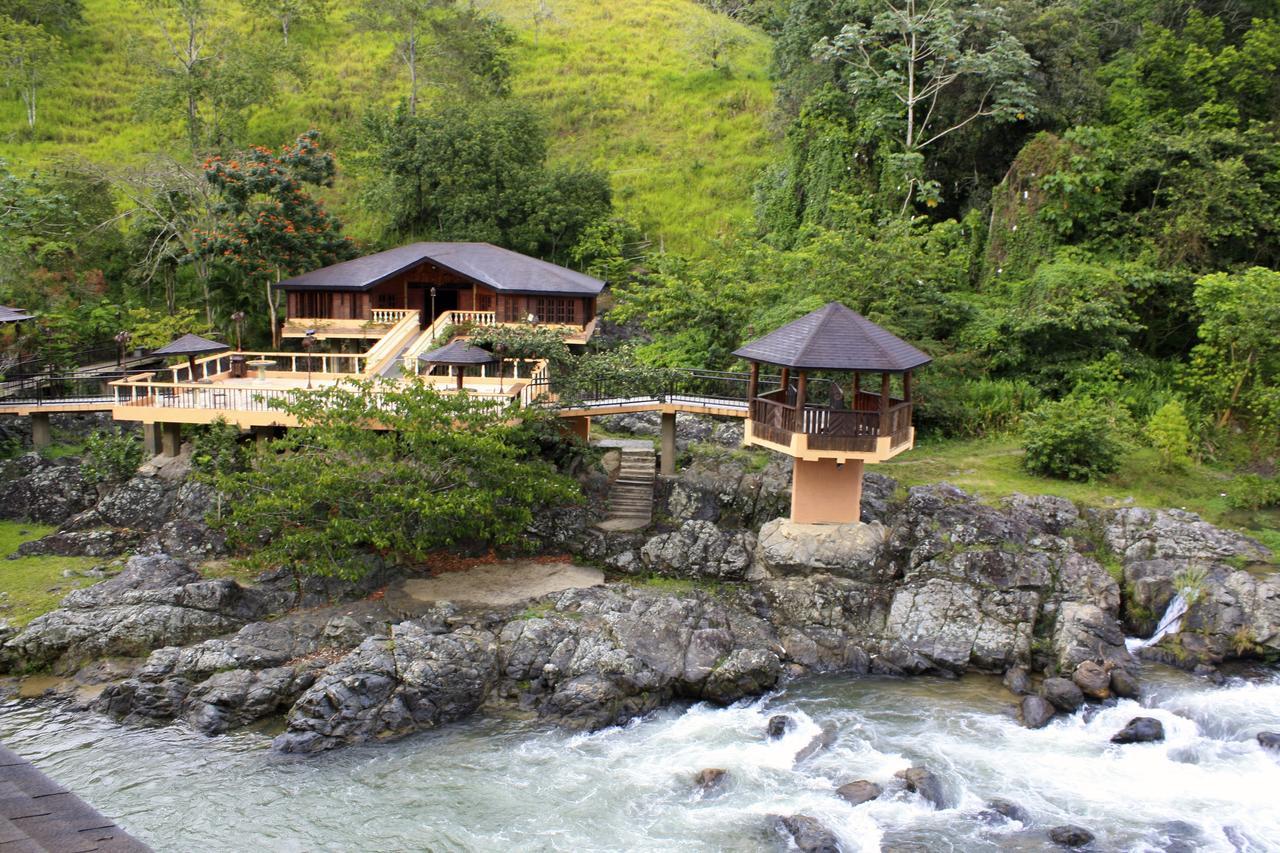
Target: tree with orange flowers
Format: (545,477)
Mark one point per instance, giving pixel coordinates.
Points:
(267,225)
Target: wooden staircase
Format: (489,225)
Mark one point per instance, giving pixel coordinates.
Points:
(630,505)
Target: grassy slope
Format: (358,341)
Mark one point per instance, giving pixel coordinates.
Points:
(34,585)
(991,469)
(681,143)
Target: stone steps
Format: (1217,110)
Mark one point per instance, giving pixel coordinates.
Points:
(630,503)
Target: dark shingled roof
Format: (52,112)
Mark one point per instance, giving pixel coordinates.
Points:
(191,345)
(834,338)
(458,352)
(502,269)
(13,315)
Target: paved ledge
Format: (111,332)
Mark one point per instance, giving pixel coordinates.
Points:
(37,814)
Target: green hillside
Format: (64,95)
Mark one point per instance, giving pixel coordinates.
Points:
(614,80)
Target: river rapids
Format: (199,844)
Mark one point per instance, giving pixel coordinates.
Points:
(505,785)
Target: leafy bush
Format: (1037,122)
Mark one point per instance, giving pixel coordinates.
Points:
(1169,432)
(216,450)
(1077,438)
(111,456)
(1249,491)
(974,407)
(449,470)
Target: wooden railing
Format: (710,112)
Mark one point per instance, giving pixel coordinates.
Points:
(391,316)
(775,420)
(391,344)
(146,391)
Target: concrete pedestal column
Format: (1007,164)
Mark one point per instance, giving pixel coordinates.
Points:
(668,457)
(151,441)
(41,433)
(826,492)
(170,439)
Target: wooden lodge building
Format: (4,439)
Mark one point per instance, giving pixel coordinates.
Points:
(474,283)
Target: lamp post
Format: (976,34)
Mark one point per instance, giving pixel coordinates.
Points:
(433,312)
(307,343)
(501,352)
(122,343)
(238,319)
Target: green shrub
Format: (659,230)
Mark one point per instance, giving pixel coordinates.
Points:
(1249,491)
(1078,438)
(971,408)
(111,456)
(1169,432)
(216,450)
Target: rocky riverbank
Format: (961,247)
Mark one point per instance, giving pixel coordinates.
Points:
(934,582)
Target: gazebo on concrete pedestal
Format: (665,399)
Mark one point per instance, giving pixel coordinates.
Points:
(821,416)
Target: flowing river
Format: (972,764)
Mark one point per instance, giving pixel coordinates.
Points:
(502,785)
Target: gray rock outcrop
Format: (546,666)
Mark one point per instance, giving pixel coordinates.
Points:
(156,601)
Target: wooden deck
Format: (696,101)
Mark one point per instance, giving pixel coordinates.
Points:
(37,814)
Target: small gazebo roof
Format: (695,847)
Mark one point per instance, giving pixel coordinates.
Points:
(459,352)
(191,345)
(834,338)
(13,315)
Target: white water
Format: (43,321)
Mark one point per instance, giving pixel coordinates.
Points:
(1170,623)
(491,785)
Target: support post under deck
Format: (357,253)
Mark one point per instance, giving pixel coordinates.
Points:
(41,433)
(668,457)
(170,439)
(151,441)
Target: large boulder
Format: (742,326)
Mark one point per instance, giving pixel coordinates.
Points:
(809,835)
(156,601)
(1140,730)
(699,549)
(1063,693)
(48,491)
(259,671)
(1035,712)
(730,488)
(392,686)
(602,655)
(920,780)
(1138,534)
(1234,612)
(851,551)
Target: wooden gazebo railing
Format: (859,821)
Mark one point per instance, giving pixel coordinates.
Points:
(776,420)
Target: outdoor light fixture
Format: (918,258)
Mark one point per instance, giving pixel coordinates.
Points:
(238,319)
(122,343)
(433,312)
(307,343)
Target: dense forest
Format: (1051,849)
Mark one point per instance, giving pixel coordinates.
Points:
(1072,204)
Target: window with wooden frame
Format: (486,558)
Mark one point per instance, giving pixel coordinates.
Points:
(386,300)
(558,311)
(512,309)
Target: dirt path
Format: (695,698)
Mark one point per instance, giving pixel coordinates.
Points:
(501,583)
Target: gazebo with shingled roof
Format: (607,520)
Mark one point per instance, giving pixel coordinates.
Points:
(821,415)
(459,355)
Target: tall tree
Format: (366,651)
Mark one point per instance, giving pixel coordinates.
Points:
(910,67)
(28,55)
(56,16)
(289,12)
(441,44)
(408,22)
(267,225)
(478,172)
(208,74)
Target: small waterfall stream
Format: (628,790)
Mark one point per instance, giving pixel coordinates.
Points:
(490,784)
(1170,623)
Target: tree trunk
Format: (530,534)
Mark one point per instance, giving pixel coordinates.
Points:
(271,313)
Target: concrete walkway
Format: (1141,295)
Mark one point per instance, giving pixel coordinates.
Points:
(37,814)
